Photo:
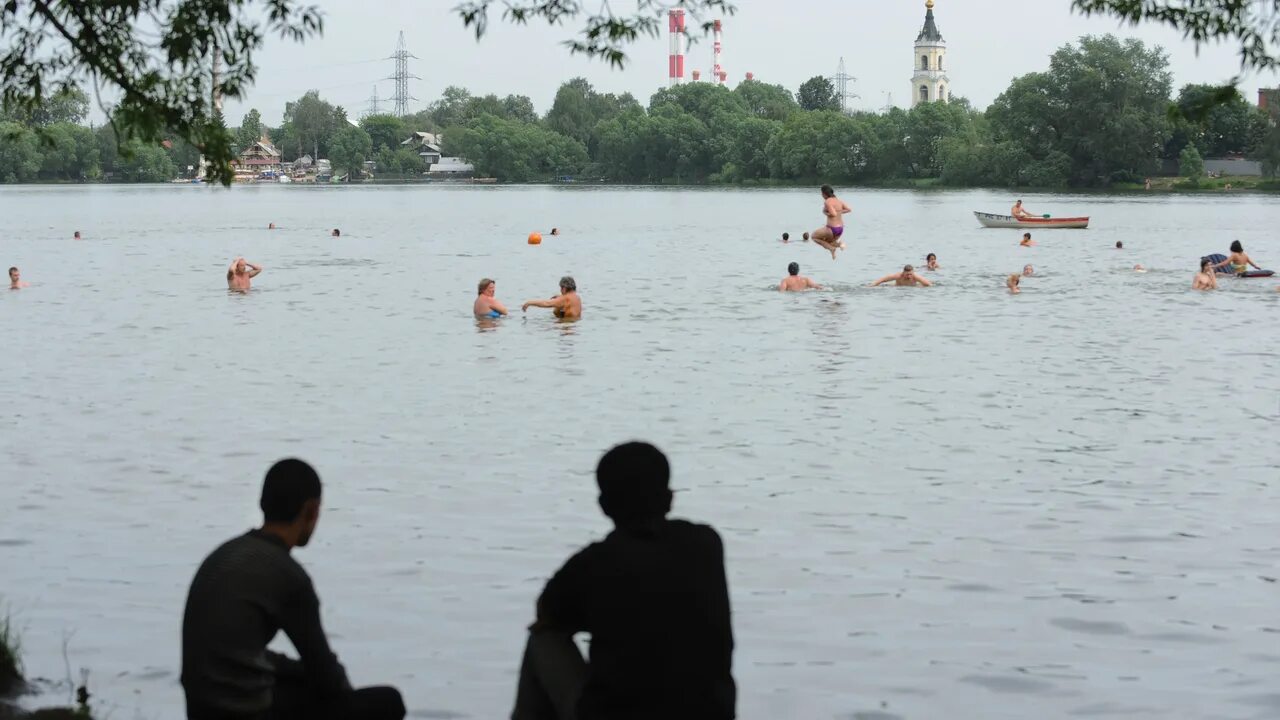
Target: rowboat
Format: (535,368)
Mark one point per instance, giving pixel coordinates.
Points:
(1008,221)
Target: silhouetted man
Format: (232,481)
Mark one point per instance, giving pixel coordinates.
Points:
(243,594)
(654,598)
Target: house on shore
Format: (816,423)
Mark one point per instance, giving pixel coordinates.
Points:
(427,146)
(258,160)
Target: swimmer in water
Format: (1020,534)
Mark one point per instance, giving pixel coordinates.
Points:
(487,306)
(1012,284)
(931,262)
(1119,245)
(1027,241)
(1139,268)
(1206,279)
(566,306)
(1239,260)
(15,279)
(828,236)
(1028,271)
(906,278)
(806,237)
(271,226)
(786,237)
(555,231)
(795,282)
(76,236)
(240,273)
(336,233)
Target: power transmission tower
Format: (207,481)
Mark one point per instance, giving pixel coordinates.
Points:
(402,77)
(843,81)
(374,108)
(888,103)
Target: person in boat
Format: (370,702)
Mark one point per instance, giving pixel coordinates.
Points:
(906,278)
(931,262)
(244,593)
(1012,283)
(653,595)
(1206,279)
(1020,212)
(486,305)
(1239,260)
(1026,240)
(1028,271)
(240,273)
(15,279)
(828,236)
(566,306)
(795,282)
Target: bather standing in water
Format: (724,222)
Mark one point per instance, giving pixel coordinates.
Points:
(15,279)
(240,273)
(1206,279)
(795,282)
(486,305)
(566,306)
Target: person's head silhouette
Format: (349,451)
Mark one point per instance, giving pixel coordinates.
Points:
(634,489)
(291,501)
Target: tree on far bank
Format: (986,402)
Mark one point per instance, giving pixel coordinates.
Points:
(1103,105)
(349,147)
(1217,126)
(385,131)
(817,93)
(250,130)
(312,121)
(771,102)
(1191,165)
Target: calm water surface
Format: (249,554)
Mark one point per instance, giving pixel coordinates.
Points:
(936,503)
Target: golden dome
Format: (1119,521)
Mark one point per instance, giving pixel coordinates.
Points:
(928,4)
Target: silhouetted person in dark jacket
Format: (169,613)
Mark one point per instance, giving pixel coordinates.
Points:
(654,598)
(243,594)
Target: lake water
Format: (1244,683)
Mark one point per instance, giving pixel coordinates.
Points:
(946,502)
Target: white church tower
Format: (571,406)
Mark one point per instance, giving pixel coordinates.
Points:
(930,83)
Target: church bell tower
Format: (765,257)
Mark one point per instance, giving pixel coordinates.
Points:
(929,82)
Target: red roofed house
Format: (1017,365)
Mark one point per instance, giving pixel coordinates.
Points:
(258,159)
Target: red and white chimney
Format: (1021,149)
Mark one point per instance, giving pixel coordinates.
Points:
(718,75)
(675,60)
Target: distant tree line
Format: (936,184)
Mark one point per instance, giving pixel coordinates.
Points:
(1102,113)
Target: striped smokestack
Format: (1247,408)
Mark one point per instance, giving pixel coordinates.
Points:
(675,58)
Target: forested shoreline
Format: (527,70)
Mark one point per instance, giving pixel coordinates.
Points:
(1103,114)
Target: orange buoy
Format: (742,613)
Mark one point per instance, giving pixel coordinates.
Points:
(535,238)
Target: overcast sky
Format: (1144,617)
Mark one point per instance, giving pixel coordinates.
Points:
(783,43)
